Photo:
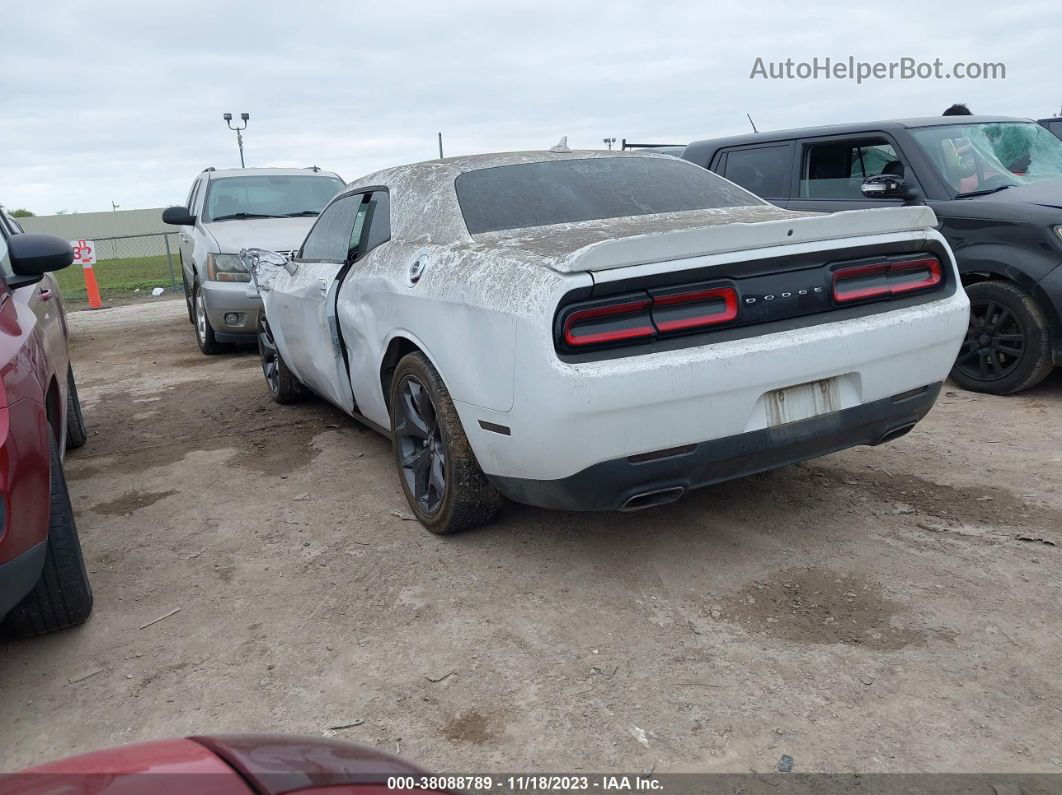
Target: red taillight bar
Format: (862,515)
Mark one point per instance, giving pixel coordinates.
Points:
(613,335)
(934,276)
(730,308)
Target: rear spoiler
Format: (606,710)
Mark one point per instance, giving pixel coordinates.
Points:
(725,238)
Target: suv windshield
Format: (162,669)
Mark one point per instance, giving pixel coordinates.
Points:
(267,196)
(567,191)
(978,158)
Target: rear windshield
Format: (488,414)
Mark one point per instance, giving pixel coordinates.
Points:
(567,191)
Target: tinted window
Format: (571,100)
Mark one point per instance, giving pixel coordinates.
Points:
(271,196)
(761,170)
(380,225)
(330,238)
(567,191)
(836,170)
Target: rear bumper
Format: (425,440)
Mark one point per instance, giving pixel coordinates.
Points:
(231,298)
(19,575)
(619,483)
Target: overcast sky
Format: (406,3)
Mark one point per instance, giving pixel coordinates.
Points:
(114,101)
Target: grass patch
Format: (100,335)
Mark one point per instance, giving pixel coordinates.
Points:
(121,278)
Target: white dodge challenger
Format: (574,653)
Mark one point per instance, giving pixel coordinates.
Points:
(600,331)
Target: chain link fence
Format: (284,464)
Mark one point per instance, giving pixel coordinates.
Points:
(128,267)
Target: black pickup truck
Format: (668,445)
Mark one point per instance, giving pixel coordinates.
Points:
(995,184)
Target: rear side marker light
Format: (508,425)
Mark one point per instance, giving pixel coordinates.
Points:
(684,311)
(612,323)
(885,279)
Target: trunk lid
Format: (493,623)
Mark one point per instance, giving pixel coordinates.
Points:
(624,242)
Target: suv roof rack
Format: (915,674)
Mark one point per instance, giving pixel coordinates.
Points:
(209,168)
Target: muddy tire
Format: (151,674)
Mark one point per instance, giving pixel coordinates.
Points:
(75,420)
(1008,342)
(62,596)
(283,385)
(440,476)
(204,332)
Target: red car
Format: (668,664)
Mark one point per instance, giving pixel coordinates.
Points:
(43,582)
(248,764)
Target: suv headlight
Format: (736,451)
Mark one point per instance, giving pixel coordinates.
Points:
(226,268)
(1058,230)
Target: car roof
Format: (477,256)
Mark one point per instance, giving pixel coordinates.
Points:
(223,173)
(844,129)
(465,163)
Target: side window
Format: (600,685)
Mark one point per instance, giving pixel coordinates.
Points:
(760,169)
(836,170)
(330,238)
(192,195)
(5,261)
(380,221)
(376,212)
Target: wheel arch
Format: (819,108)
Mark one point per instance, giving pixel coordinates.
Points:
(53,407)
(1011,275)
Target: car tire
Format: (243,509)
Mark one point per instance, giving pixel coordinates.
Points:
(442,481)
(62,596)
(76,435)
(283,385)
(204,332)
(1008,342)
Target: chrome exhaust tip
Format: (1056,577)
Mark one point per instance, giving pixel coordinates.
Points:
(650,499)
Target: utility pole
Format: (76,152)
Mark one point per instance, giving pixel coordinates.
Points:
(440,147)
(114,206)
(239,135)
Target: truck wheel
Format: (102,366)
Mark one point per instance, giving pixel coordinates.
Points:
(75,421)
(62,596)
(204,332)
(1008,343)
(440,476)
(282,383)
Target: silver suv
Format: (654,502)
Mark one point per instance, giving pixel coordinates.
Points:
(231,210)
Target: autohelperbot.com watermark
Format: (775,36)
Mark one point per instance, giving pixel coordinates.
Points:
(860,71)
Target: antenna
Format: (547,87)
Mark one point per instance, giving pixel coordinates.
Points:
(747,116)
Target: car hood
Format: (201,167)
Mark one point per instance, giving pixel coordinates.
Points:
(1046,194)
(276,234)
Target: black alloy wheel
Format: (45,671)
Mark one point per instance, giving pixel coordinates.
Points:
(994,344)
(421,450)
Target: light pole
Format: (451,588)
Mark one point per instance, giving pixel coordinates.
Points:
(239,136)
(609,142)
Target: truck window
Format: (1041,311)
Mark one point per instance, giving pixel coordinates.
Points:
(836,170)
(759,169)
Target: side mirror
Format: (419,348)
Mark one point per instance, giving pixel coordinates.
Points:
(885,186)
(178,216)
(32,256)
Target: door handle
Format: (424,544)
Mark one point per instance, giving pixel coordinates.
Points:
(323,284)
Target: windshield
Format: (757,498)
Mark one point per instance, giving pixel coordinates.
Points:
(567,191)
(267,196)
(976,158)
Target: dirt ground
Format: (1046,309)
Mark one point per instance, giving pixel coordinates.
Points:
(882,609)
